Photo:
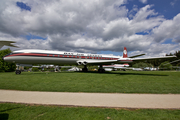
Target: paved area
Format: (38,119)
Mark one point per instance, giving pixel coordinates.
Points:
(162,101)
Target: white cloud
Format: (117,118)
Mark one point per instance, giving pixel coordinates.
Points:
(169,29)
(143,1)
(91,26)
(173,2)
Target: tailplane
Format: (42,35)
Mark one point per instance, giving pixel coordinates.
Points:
(7,43)
(125,53)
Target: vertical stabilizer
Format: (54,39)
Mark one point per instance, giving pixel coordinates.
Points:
(125,53)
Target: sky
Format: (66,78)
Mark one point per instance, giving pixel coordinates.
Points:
(95,26)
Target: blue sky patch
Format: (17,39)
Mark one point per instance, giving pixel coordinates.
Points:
(142,33)
(23,6)
(167,8)
(168,41)
(30,36)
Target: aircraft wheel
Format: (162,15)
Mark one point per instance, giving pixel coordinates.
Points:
(84,69)
(101,70)
(18,72)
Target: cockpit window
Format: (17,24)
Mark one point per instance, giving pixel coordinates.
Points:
(8,54)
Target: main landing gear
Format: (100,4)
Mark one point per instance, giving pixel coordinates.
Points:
(18,72)
(85,68)
(101,69)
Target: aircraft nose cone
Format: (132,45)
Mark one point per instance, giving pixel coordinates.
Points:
(5,58)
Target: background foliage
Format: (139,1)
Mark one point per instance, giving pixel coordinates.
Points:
(158,62)
(5,66)
(142,65)
(165,65)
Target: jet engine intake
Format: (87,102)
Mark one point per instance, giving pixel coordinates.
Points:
(81,62)
(84,63)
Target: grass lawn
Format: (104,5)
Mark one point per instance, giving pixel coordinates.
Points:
(110,82)
(9,111)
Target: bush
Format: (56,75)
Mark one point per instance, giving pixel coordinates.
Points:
(35,69)
(5,66)
(141,65)
(165,65)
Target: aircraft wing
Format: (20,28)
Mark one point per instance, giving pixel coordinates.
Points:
(152,58)
(104,62)
(136,56)
(7,43)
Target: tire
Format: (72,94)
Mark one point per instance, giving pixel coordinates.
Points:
(18,72)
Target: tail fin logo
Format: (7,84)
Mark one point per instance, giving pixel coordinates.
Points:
(125,53)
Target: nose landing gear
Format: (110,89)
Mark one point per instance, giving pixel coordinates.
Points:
(18,69)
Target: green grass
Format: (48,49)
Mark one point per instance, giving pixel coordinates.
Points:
(157,82)
(9,111)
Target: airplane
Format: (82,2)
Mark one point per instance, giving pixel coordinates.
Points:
(116,66)
(7,43)
(34,56)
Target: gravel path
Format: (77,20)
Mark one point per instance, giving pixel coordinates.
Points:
(162,101)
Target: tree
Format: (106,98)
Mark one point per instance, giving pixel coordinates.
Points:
(141,65)
(177,54)
(5,66)
(165,65)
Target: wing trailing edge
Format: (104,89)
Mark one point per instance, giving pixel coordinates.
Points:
(152,58)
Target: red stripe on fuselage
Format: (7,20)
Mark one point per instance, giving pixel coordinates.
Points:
(62,56)
(27,54)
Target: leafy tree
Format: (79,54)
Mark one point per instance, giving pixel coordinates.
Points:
(35,69)
(177,54)
(141,65)
(157,62)
(5,66)
(165,65)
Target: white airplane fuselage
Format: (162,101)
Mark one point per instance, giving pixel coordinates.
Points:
(32,56)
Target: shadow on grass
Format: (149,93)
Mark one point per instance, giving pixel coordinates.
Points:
(9,109)
(4,116)
(95,72)
(124,73)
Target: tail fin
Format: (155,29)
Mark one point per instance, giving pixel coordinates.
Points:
(125,53)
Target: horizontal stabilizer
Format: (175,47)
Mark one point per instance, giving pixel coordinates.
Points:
(7,43)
